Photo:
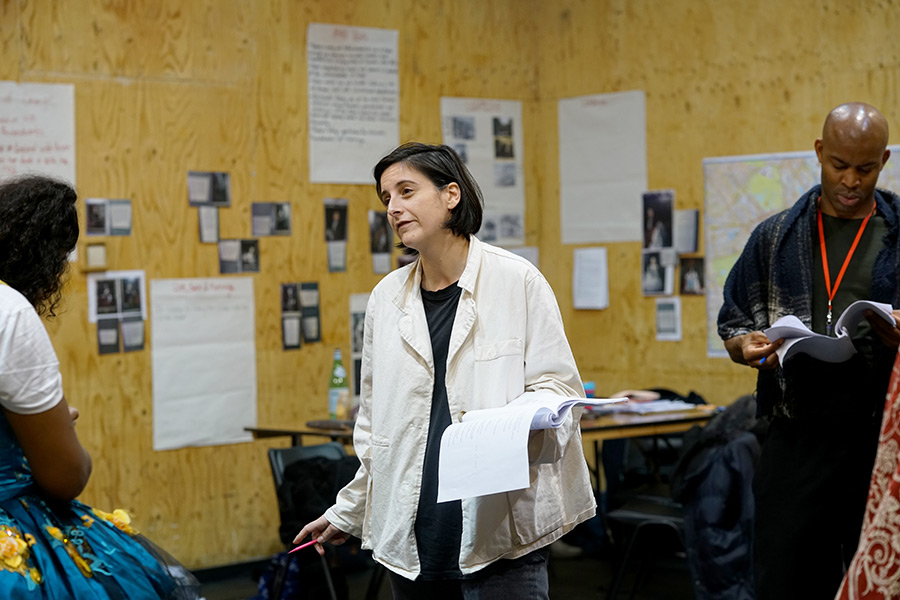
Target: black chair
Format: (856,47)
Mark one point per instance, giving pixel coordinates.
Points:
(317,472)
(645,518)
(279,460)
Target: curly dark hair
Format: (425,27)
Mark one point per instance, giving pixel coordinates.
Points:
(38,229)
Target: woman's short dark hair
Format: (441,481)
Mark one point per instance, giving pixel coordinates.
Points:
(442,166)
(38,229)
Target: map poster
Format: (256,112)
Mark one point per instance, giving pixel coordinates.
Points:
(742,191)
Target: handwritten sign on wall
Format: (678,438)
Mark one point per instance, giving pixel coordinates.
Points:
(37,130)
(204,361)
(354,95)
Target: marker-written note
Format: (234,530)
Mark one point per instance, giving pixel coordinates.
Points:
(486,452)
(354,100)
(37,130)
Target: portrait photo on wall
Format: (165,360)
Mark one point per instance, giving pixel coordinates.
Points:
(380,234)
(658,207)
(463,128)
(107,296)
(250,256)
(95,216)
(335,222)
(691,271)
(656,279)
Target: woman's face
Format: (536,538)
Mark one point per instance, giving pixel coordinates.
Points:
(416,208)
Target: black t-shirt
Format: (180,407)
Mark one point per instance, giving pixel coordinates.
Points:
(853,389)
(438,527)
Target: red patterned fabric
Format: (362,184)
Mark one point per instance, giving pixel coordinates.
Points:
(874,573)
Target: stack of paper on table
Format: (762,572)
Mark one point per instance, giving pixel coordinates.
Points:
(798,338)
(646,408)
(487,451)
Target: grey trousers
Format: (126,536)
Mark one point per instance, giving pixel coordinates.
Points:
(516,579)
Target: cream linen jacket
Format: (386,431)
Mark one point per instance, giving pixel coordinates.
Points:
(507,339)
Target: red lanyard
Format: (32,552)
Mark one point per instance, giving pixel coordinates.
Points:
(837,282)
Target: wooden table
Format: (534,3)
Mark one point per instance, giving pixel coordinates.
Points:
(342,434)
(626,425)
(629,425)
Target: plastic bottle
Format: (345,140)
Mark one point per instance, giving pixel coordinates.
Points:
(338,392)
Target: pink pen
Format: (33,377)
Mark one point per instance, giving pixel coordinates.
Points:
(302,546)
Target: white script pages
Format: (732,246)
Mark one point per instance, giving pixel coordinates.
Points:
(798,338)
(487,451)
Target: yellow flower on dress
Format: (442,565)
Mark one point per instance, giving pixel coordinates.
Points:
(120,518)
(13,550)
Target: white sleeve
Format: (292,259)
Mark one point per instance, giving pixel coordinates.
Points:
(30,381)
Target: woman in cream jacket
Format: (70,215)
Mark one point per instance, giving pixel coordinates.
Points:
(466,326)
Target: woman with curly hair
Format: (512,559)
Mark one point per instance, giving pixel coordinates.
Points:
(51,545)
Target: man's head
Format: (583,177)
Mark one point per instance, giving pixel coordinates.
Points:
(852,152)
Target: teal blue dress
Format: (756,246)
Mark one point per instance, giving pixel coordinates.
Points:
(68,550)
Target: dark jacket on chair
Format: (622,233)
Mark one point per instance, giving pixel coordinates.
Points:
(713,480)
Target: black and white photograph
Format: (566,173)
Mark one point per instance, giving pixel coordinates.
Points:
(503,126)
(503,137)
(691,271)
(107,296)
(290,298)
(282,218)
(653,278)
(220,189)
(380,233)
(335,223)
(357,327)
(131,295)
(250,256)
(658,210)
(503,147)
(95,216)
(505,174)
(463,128)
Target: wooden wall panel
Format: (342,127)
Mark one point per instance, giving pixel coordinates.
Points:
(165,87)
(721,78)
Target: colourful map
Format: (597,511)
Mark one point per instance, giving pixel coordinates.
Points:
(740,192)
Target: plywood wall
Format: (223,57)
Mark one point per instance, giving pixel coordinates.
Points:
(721,78)
(165,87)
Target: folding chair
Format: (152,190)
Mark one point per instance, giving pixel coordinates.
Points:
(312,458)
(279,460)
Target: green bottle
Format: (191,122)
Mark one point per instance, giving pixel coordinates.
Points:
(338,392)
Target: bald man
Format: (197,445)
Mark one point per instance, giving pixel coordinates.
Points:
(813,475)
